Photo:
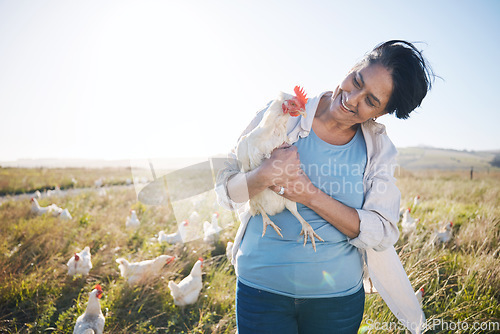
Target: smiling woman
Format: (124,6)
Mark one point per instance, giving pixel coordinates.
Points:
(354,213)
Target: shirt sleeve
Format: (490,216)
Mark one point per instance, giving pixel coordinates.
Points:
(379,215)
(232,167)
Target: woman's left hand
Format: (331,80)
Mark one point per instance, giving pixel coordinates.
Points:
(299,189)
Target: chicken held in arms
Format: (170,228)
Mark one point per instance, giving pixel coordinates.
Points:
(256,146)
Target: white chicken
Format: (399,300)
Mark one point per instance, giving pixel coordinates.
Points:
(177,237)
(211,230)
(443,235)
(92,320)
(37,194)
(99,182)
(40,210)
(80,263)
(188,290)
(194,217)
(416,201)
(132,221)
(229,251)
(409,224)
(258,145)
(65,215)
(138,271)
(54,192)
(420,295)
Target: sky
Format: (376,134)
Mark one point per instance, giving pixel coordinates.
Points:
(104,79)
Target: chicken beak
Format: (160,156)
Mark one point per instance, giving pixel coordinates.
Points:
(303,113)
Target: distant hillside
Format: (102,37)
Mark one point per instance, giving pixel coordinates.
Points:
(414,158)
(411,158)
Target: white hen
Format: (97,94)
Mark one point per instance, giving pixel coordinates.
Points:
(409,224)
(188,290)
(177,237)
(211,230)
(229,251)
(65,215)
(258,145)
(132,221)
(138,271)
(92,321)
(444,234)
(80,263)
(40,210)
(420,295)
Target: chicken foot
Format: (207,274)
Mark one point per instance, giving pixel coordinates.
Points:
(307,230)
(267,221)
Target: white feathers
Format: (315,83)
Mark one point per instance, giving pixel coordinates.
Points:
(140,271)
(174,238)
(188,290)
(132,221)
(409,224)
(80,263)
(211,230)
(92,321)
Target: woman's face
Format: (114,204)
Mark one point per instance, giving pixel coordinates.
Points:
(362,95)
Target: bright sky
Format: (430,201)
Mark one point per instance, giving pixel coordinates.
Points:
(139,79)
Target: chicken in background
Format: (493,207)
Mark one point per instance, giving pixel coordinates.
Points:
(99,182)
(80,263)
(54,192)
(420,294)
(41,210)
(132,221)
(134,272)
(416,201)
(229,251)
(256,146)
(177,237)
(409,224)
(211,230)
(65,215)
(444,234)
(188,290)
(194,217)
(92,320)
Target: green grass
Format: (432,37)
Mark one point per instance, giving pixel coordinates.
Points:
(27,180)
(461,278)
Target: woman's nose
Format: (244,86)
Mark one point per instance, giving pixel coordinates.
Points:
(352,98)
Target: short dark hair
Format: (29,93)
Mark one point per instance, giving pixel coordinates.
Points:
(411,74)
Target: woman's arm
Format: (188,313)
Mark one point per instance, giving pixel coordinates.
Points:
(341,216)
(278,169)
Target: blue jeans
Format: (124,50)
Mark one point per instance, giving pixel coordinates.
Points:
(263,312)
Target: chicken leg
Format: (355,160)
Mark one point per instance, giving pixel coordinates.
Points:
(307,230)
(267,221)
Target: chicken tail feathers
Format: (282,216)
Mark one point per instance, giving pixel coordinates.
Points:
(174,289)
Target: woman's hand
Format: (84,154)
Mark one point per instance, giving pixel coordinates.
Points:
(284,170)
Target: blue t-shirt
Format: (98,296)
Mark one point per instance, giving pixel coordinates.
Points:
(284,265)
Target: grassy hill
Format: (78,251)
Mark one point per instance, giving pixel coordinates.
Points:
(418,158)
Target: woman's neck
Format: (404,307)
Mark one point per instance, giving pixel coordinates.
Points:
(328,128)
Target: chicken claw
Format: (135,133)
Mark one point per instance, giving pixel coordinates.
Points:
(267,221)
(308,232)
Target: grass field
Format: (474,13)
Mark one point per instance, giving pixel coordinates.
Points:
(461,278)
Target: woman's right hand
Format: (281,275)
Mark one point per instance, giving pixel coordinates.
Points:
(283,167)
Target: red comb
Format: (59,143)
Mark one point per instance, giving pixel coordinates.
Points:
(170,260)
(301,95)
(98,287)
(201,259)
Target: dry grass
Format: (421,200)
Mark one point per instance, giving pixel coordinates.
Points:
(461,278)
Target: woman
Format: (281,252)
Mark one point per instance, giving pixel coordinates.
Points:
(340,172)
